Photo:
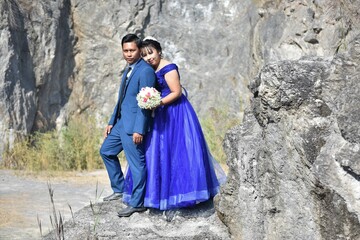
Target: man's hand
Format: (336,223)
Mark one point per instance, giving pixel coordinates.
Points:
(107,130)
(137,138)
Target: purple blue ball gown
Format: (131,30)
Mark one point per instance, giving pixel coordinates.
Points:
(181,171)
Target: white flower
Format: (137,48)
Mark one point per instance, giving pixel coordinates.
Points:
(148,98)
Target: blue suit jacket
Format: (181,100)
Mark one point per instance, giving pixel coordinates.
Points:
(135,119)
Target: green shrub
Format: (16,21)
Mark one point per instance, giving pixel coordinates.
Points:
(215,124)
(81,143)
(75,147)
(18,157)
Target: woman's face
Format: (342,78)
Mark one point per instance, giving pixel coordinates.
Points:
(151,55)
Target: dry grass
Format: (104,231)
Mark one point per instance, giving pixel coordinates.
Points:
(75,147)
(215,125)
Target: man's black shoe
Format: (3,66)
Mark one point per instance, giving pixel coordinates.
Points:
(128,211)
(114,196)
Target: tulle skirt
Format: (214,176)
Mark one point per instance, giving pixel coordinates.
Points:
(180,169)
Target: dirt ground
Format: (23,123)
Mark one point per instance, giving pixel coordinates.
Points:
(25,198)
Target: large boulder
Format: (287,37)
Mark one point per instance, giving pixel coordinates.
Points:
(294,162)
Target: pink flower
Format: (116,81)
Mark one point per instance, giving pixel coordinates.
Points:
(148,98)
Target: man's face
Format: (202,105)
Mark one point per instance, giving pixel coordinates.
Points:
(131,52)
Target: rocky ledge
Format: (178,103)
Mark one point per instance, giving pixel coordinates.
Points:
(100,221)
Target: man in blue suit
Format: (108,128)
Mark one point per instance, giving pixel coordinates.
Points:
(127,127)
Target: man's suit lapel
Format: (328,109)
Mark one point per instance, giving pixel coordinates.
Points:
(123,86)
(131,75)
(129,78)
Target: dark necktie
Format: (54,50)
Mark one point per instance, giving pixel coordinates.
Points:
(122,90)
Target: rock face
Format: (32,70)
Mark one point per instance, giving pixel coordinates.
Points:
(37,65)
(295,159)
(63,57)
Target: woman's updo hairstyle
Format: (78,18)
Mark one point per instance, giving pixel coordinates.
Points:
(149,42)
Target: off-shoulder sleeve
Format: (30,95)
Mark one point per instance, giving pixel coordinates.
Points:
(168,68)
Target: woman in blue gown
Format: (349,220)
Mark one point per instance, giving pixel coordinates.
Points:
(181,170)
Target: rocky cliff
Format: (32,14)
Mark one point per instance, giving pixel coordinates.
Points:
(293,163)
(63,57)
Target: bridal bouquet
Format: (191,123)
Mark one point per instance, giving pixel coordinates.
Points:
(148,98)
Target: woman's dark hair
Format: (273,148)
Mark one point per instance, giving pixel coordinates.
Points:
(131,38)
(148,43)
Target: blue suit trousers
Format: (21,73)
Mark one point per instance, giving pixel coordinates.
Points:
(113,144)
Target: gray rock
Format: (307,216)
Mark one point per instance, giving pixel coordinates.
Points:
(101,222)
(63,57)
(294,169)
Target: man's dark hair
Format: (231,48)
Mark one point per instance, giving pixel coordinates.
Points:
(131,38)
